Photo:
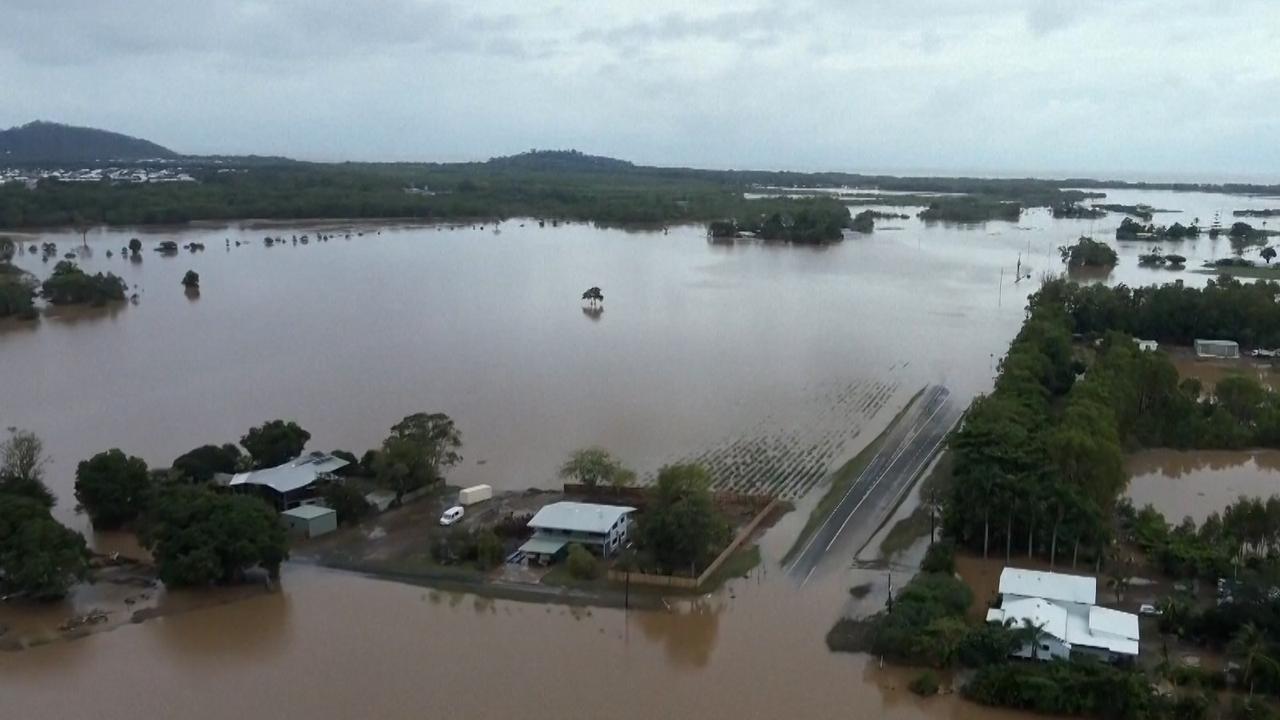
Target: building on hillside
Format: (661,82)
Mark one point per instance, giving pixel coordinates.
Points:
(288,485)
(602,529)
(1063,608)
(1217,349)
(310,520)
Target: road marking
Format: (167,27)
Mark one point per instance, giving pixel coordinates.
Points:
(882,476)
(854,486)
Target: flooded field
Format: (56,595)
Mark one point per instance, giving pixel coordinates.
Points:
(770,363)
(1194,483)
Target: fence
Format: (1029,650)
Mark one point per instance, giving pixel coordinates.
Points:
(688,583)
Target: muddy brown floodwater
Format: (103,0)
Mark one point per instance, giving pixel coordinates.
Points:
(772,363)
(1194,483)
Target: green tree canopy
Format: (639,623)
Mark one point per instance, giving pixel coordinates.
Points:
(591,467)
(681,527)
(418,449)
(39,558)
(69,285)
(200,537)
(275,443)
(201,464)
(113,488)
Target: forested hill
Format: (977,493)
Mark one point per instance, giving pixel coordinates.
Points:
(47,142)
(560,160)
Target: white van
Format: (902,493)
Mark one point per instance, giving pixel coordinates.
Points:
(452,515)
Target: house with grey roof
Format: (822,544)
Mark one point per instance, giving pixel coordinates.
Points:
(287,486)
(602,529)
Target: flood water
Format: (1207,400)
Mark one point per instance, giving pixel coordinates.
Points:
(702,351)
(1195,483)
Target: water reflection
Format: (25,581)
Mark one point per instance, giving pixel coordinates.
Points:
(593,312)
(1196,483)
(687,630)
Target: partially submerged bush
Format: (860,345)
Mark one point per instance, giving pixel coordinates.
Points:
(925,684)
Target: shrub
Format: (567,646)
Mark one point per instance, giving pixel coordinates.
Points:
(347,501)
(513,526)
(925,684)
(582,564)
(940,558)
(489,550)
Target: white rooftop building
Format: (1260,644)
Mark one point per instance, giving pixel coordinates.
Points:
(1063,607)
(599,528)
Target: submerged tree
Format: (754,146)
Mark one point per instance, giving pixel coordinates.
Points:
(113,488)
(191,281)
(593,296)
(199,537)
(39,558)
(22,462)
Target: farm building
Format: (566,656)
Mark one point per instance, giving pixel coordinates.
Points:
(601,529)
(1062,606)
(1217,349)
(286,486)
(310,520)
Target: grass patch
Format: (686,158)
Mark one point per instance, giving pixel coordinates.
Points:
(559,576)
(844,478)
(741,562)
(916,525)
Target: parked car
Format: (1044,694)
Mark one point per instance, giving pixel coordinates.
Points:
(452,515)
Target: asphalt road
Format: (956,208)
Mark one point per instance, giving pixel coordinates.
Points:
(906,452)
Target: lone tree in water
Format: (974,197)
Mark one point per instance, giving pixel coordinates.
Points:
(593,296)
(191,281)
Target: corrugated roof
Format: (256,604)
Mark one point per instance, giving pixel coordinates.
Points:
(308,512)
(1053,586)
(543,546)
(578,517)
(1043,614)
(292,475)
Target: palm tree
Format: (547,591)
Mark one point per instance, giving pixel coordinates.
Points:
(1251,648)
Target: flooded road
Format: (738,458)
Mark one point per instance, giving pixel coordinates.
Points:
(1194,483)
(702,351)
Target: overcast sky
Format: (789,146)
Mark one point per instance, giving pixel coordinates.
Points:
(1127,87)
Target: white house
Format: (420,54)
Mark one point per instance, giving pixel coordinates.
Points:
(599,528)
(1147,345)
(1063,607)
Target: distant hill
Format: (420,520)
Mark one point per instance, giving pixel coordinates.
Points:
(49,142)
(560,160)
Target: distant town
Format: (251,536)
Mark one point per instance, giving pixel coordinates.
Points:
(122,174)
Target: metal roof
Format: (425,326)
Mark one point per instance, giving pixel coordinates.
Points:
(542,545)
(1043,614)
(292,475)
(309,512)
(578,517)
(1052,586)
